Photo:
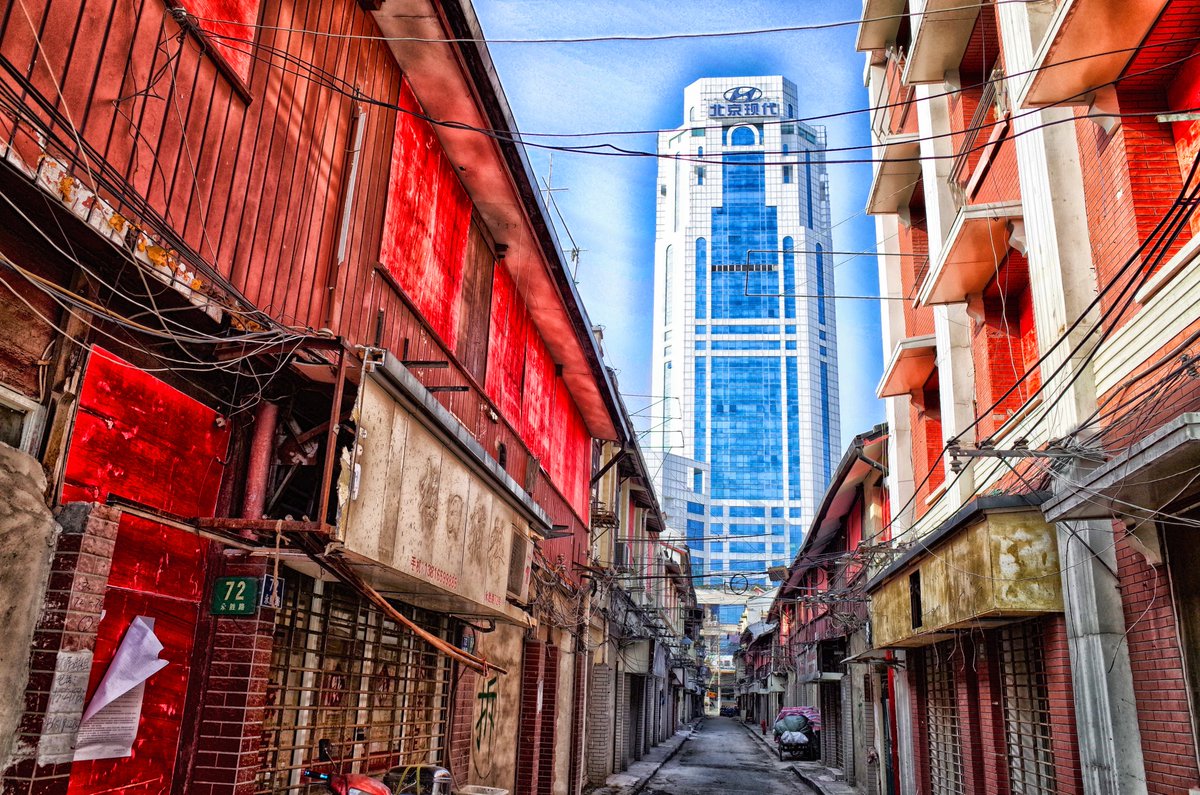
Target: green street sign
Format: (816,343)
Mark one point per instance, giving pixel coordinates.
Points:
(235,596)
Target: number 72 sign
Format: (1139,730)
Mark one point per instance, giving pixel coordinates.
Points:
(235,596)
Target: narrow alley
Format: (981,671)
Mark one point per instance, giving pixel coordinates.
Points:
(721,756)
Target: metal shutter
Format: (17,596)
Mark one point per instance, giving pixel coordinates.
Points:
(343,672)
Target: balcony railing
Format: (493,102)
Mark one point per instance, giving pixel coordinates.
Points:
(891,113)
(979,128)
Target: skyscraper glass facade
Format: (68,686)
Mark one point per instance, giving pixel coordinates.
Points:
(745,344)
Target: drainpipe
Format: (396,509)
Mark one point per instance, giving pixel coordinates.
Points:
(262,448)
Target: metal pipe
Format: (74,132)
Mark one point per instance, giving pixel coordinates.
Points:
(262,449)
(335,413)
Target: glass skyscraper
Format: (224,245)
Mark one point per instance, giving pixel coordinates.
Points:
(745,344)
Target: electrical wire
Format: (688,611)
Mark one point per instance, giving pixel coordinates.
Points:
(650,37)
(254,49)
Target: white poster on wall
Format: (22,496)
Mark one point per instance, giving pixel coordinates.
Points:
(110,722)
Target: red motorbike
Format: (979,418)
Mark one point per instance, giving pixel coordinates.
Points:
(415,779)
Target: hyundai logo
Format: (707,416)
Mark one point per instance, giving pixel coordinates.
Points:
(743,94)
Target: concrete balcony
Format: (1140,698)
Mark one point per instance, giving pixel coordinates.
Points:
(880,21)
(978,241)
(913,361)
(896,174)
(941,30)
(1087,46)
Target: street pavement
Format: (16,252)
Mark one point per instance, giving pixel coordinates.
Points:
(721,758)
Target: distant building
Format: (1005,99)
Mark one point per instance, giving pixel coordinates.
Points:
(745,345)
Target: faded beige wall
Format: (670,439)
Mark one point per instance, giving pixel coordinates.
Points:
(495,765)
(27,537)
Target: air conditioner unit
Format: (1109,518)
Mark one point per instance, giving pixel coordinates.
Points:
(519,562)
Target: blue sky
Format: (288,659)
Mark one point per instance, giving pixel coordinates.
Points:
(609,202)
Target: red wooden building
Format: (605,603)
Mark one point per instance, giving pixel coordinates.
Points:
(283,304)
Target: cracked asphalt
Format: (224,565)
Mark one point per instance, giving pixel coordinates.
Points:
(722,759)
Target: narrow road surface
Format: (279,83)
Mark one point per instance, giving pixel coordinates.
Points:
(722,759)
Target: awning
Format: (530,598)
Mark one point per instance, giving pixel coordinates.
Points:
(1088,45)
(913,361)
(978,242)
(424,514)
(993,562)
(939,39)
(1156,471)
(896,174)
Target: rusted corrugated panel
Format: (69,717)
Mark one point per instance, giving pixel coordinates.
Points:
(426,224)
(156,572)
(506,351)
(139,438)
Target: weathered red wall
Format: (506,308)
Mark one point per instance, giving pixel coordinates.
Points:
(228,18)
(426,224)
(140,439)
(506,349)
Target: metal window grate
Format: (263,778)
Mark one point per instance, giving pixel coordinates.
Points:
(1026,710)
(945,748)
(343,672)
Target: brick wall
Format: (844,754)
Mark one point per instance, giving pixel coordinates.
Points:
(1159,681)
(965,661)
(1004,344)
(1131,178)
(529,733)
(917,660)
(234,696)
(913,245)
(61,658)
(992,739)
(462,722)
(1064,739)
(549,717)
(927,443)
(601,722)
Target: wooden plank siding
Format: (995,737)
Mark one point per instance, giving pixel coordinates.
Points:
(248,179)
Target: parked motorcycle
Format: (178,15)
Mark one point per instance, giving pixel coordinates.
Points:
(414,779)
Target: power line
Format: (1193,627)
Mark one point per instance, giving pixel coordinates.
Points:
(628,37)
(611,150)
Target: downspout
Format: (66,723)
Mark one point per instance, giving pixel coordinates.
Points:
(258,470)
(333,315)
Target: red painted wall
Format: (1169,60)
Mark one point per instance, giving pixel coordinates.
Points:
(229,20)
(141,439)
(427,221)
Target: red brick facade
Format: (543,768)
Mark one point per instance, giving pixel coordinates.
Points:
(234,696)
(1159,681)
(73,602)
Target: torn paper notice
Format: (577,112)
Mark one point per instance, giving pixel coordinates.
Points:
(110,721)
